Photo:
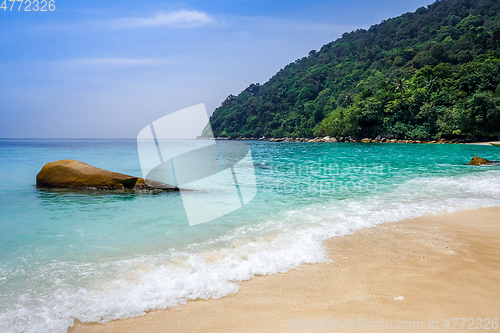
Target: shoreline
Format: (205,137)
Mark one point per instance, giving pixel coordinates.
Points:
(351,140)
(431,267)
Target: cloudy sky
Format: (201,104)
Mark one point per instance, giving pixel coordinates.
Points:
(106,69)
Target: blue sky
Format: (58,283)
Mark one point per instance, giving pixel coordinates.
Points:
(106,69)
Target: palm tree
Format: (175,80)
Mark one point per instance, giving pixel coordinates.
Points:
(401,87)
(346,99)
(429,82)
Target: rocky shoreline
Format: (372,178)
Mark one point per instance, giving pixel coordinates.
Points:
(346,139)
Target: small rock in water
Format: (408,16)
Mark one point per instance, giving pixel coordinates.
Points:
(481,161)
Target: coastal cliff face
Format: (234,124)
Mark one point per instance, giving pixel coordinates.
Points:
(78,175)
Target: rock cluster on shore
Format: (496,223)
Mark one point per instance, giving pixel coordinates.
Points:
(73,174)
(341,139)
(364,140)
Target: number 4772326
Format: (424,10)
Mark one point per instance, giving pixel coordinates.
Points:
(29,5)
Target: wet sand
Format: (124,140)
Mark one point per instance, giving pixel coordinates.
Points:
(410,273)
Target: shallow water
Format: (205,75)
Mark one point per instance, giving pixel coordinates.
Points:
(98,256)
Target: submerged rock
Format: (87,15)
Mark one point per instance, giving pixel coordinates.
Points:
(78,175)
(481,161)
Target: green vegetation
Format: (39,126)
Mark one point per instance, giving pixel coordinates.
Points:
(429,74)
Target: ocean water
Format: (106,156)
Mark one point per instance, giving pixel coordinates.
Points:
(99,256)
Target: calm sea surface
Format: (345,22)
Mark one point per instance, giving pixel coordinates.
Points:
(97,256)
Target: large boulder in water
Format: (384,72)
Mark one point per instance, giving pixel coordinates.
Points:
(78,175)
(481,161)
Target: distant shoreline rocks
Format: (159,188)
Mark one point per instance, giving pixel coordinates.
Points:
(348,139)
(72,174)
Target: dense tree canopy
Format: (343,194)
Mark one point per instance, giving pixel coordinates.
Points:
(428,74)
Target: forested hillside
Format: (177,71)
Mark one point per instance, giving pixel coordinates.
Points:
(424,75)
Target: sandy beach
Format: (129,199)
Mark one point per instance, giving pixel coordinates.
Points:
(414,274)
(487,143)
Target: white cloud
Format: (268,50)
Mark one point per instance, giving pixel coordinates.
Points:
(175,19)
(115,62)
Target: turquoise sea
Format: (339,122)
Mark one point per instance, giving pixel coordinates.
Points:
(99,256)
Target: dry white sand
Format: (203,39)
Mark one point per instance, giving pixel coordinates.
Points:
(486,143)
